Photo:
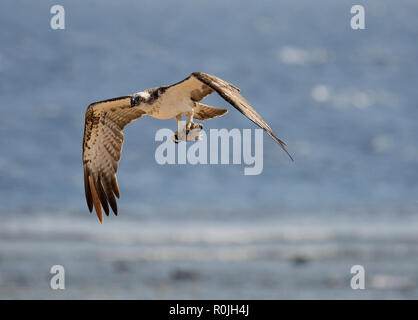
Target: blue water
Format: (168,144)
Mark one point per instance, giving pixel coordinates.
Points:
(344,101)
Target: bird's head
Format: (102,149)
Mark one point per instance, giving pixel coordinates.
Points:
(140,97)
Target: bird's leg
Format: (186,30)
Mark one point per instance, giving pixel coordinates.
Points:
(189,120)
(180,134)
(193,129)
(181,128)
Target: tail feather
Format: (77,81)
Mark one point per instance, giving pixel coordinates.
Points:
(205,112)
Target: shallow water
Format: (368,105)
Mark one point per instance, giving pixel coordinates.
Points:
(343,100)
(145,258)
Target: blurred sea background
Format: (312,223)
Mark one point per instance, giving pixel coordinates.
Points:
(344,100)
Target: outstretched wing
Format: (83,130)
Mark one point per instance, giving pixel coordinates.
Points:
(102,146)
(198,85)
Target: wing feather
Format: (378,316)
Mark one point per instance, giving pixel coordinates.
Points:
(102,147)
(232,94)
(190,88)
(89,197)
(198,85)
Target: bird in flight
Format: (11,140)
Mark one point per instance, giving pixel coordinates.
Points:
(105,121)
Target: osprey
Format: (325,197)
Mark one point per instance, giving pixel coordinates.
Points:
(105,121)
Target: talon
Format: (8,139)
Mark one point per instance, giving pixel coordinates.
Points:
(175,137)
(194,133)
(198,126)
(188,134)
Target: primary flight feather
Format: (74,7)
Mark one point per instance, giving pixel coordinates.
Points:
(105,121)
